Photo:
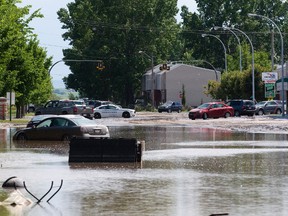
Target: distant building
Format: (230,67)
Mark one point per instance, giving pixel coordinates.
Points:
(170,80)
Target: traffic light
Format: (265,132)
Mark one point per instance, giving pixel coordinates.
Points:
(164,67)
(100,66)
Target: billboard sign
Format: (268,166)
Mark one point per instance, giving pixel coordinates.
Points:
(269,76)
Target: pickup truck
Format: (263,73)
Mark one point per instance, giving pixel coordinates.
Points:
(63,107)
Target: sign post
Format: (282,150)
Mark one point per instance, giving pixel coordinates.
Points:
(269,78)
(11,101)
(269,90)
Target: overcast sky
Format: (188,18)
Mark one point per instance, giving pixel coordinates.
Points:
(49,32)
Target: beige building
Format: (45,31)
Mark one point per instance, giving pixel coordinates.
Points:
(169,83)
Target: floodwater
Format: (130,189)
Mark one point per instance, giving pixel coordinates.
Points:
(185,171)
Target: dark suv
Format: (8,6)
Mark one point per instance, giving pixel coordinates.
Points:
(170,106)
(242,107)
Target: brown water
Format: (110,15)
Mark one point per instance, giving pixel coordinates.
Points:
(186,171)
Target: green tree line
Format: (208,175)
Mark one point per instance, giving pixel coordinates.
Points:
(116,31)
(23,63)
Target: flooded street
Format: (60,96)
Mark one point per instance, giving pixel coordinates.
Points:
(186,171)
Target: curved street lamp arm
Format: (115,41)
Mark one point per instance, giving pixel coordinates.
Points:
(252,53)
(240,50)
(225,51)
(282,55)
(238,40)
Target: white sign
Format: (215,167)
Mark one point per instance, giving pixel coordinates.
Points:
(269,76)
(12,96)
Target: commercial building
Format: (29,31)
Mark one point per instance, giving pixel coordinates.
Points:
(170,79)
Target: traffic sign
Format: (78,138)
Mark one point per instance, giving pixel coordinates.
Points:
(269,90)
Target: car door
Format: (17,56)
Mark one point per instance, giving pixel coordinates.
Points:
(104,111)
(114,111)
(176,106)
(173,106)
(214,111)
(57,129)
(51,129)
(42,131)
(270,107)
(222,109)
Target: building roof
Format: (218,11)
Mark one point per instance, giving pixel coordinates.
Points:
(176,66)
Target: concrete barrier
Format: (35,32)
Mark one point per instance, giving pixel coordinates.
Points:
(119,150)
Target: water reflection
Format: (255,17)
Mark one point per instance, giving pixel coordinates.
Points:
(186,171)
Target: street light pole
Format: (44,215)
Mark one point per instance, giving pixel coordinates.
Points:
(225,52)
(238,40)
(152,75)
(252,53)
(282,55)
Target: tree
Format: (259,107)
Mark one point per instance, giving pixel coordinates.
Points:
(236,84)
(23,63)
(225,13)
(115,32)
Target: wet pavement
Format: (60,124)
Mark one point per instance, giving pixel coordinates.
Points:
(186,171)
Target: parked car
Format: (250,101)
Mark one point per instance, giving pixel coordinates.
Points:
(211,110)
(268,107)
(63,128)
(36,119)
(170,106)
(242,107)
(63,107)
(112,110)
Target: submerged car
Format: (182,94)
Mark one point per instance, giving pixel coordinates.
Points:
(211,110)
(268,107)
(112,110)
(170,106)
(63,128)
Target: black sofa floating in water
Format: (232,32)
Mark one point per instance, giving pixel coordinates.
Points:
(120,150)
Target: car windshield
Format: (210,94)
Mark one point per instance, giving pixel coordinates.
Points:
(203,106)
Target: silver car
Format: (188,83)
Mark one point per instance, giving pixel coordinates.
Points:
(112,110)
(268,107)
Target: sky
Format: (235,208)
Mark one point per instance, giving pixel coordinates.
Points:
(49,32)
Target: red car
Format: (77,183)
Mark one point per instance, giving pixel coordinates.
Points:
(211,110)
